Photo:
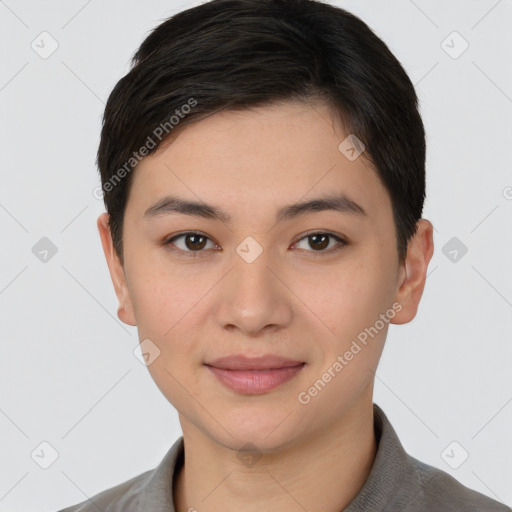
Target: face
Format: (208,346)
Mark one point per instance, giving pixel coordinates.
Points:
(290,252)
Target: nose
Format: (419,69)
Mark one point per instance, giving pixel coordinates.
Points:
(254,297)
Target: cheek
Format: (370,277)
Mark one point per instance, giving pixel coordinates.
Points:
(351,305)
(175,369)
(349,298)
(176,381)
(162,299)
(169,306)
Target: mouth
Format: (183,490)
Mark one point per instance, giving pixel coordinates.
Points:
(256,375)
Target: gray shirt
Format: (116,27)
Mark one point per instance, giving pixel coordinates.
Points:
(397,483)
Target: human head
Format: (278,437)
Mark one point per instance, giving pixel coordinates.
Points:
(238,54)
(260,131)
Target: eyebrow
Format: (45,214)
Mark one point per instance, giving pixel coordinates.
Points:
(172,204)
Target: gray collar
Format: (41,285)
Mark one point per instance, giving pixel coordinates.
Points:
(393,479)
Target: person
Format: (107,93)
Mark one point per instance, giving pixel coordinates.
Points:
(263,172)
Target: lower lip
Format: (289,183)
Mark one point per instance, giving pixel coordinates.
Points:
(254,382)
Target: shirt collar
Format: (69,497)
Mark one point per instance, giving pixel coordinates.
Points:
(392,479)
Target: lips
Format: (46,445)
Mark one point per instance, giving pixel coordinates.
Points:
(254,375)
(266,362)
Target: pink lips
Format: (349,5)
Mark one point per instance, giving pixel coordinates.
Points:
(254,375)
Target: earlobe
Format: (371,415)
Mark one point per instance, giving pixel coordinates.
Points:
(125,309)
(412,284)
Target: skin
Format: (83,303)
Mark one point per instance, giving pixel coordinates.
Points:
(291,301)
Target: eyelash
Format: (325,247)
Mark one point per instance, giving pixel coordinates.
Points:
(194,254)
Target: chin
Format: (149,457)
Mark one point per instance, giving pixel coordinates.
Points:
(269,431)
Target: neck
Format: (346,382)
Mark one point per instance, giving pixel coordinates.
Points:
(323,471)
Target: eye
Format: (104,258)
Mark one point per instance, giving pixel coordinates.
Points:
(190,242)
(319,241)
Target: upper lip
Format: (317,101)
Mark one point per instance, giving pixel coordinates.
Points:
(265,362)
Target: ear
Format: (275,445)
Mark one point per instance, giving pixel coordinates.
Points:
(125,309)
(414,272)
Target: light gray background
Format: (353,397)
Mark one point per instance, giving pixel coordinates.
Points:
(68,375)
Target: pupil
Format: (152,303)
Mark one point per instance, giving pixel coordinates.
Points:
(192,241)
(318,245)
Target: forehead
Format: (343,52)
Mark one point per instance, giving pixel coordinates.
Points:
(259,159)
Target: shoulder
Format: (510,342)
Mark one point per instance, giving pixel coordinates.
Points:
(440,491)
(399,481)
(122,497)
(142,492)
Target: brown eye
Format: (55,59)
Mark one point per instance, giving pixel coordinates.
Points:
(321,242)
(318,242)
(195,242)
(189,243)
